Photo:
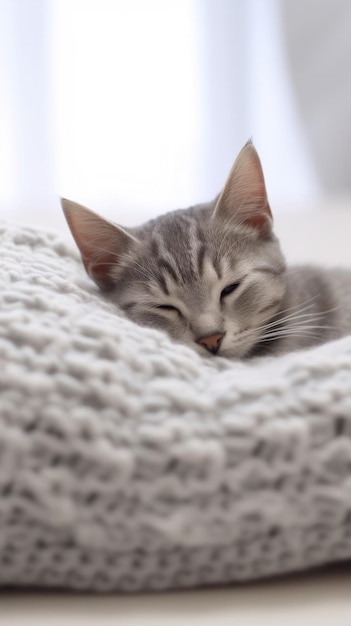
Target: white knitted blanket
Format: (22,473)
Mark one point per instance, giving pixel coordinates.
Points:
(129,462)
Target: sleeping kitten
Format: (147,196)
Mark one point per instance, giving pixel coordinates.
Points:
(213,276)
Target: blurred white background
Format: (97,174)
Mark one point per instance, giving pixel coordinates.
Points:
(134,107)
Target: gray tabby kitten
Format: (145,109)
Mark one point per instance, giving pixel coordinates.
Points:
(213,276)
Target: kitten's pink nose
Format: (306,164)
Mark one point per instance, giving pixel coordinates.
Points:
(211,342)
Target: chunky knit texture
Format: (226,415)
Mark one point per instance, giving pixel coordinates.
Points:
(128,462)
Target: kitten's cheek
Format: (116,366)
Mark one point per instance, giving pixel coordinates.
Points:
(237,344)
(150,320)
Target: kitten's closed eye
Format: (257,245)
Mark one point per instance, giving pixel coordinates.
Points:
(227,290)
(167,307)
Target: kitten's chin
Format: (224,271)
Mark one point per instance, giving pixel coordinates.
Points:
(234,353)
(228,352)
(240,350)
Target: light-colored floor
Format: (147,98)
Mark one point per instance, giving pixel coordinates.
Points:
(321,599)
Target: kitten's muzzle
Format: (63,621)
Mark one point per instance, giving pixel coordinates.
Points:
(211,342)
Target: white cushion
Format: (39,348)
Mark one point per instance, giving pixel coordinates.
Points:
(130,462)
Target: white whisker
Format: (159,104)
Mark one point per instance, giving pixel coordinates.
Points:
(295,318)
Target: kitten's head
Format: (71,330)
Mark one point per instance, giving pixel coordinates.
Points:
(211,276)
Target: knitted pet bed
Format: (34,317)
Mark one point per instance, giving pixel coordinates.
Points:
(129,462)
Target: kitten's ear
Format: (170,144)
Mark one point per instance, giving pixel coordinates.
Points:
(100,242)
(244,196)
